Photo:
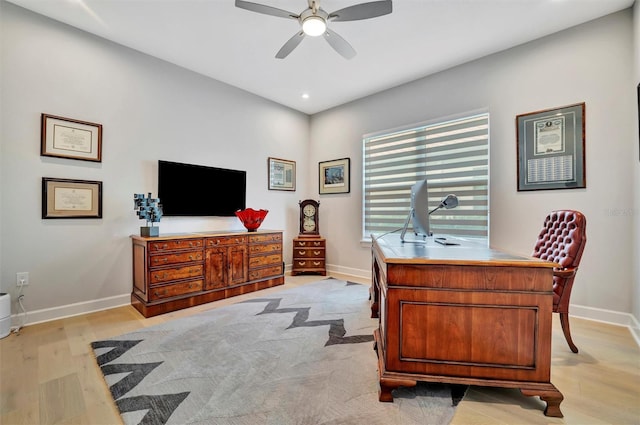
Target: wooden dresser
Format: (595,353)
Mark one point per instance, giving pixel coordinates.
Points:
(309,256)
(177,271)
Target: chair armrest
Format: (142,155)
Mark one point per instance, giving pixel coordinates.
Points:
(565,273)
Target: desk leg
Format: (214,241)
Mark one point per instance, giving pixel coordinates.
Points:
(551,396)
(388,382)
(374,295)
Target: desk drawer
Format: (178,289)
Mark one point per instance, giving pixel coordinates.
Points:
(227,240)
(262,249)
(183,257)
(176,289)
(265,260)
(174,245)
(166,275)
(269,237)
(308,243)
(266,272)
(308,253)
(308,264)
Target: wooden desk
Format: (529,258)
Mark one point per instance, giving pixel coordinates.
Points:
(462,314)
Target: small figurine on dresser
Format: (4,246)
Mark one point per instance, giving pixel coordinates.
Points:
(149,209)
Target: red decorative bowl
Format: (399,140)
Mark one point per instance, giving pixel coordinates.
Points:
(252,219)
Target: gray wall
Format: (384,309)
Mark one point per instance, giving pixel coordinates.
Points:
(590,63)
(150,110)
(153,110)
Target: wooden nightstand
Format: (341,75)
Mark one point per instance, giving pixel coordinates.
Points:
(309,256)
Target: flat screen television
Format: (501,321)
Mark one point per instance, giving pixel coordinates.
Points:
(198,191)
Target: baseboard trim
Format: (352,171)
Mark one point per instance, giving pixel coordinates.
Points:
(349,271)
(48,314)
(69,310)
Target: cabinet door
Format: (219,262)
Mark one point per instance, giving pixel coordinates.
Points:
(215,268)
(238,264)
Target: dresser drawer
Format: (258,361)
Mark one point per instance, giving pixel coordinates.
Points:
(176,289)
(269,237)
(308,253)
(226,240)
(260,249)
(265,260)
(266,272)
(174,245)
(166,275)
(182,257)
(308,243)
(308,264)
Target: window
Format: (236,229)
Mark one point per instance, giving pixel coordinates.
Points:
(454,158)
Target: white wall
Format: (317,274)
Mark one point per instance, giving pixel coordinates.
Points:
(590,63)
(636,174)
(150,110)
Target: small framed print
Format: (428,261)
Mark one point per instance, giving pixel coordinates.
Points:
(551,145)
(66,198)
(282,174)
(335,176)
(68,138)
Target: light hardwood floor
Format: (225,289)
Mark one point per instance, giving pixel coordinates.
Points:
(48,374)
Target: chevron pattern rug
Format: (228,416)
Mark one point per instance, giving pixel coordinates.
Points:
(299,356)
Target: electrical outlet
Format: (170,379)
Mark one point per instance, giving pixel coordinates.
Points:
(22,279)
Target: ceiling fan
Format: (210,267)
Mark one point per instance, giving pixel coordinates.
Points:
(314,22)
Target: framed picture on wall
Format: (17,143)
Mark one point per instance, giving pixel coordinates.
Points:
(67,198)
(68,138)
(282,174)
(550,147)
(334,176)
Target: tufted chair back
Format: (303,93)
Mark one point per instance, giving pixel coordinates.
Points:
(562,240)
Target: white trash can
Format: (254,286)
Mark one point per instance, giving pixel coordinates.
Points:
(5,314)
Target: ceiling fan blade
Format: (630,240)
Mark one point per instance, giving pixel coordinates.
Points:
(266,10)
(291,44)
(362,11)
(339,44)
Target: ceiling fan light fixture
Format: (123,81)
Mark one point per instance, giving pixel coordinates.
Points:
(314,26)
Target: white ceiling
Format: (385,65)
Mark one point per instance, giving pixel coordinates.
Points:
(420,37)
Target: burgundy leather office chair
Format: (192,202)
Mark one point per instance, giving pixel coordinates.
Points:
(562,240)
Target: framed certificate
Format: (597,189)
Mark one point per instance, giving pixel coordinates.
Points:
(551,148)
(66,198)
(68,138)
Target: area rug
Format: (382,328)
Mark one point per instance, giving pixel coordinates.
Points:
(300,356)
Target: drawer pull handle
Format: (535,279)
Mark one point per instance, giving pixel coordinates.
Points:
(302,243)
(316,252)
(302,263)
(157,294)
(302,252)
(317,243)
(316,263)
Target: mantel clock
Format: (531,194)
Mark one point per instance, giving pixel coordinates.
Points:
(309,222)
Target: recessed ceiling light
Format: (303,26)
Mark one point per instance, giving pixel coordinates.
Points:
(305,95)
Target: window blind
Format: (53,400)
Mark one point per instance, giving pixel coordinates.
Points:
(454,158)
